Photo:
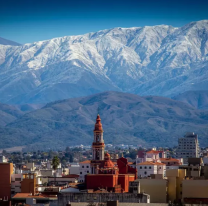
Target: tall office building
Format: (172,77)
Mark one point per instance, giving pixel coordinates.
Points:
(188,146)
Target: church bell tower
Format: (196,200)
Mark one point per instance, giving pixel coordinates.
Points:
(98,145)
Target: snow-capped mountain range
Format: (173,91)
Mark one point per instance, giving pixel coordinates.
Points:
(151,60)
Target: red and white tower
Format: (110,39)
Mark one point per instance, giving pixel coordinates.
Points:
(98,145)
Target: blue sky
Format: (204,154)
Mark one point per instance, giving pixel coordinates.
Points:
(27,21)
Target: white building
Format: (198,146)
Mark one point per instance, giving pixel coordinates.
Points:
(74,168)
(188,146)
(152,155)
(146,169)
(30,166)
(84,169)
(3,159)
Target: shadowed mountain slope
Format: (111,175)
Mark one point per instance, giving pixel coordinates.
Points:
(126,118)
(197,99)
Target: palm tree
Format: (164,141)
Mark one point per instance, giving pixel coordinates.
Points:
(55,163)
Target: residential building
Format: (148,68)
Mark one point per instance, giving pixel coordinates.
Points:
(145,169)
(188,146)
(16,183)
(171,163)
(84,169)
(152,155)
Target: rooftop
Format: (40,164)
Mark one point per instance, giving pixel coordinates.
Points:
(169,159)
(28,195)
(150,163)
(153,152)
(85,162)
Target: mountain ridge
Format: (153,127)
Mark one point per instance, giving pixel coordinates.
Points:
(152,60)
(126,118)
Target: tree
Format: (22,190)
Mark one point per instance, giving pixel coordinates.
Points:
(55,163)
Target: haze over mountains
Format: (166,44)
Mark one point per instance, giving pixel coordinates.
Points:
(152,60)
(126,118)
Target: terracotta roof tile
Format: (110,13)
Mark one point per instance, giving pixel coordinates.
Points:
(153,152)
(27,195)
(85,162)
(169,159)
(150,163)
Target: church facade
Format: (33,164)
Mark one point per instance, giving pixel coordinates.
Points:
(101,172)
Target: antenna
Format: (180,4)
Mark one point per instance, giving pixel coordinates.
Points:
(98,110)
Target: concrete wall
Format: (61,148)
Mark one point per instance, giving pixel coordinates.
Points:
(175,178)
(195,189)
(16,183)
(46,173)
(30,166)
(64,198)
(28,183)
(156,188)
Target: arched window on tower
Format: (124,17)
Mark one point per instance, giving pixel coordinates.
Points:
(97,156)
(97,137)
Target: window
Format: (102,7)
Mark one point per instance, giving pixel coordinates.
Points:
(82,166)
(87,171)
(145,172)
(140,167)
(17,179)
(145,167)
(80,173)
(150,167)
(87,166)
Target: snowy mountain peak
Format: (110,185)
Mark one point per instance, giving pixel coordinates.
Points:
(144,60)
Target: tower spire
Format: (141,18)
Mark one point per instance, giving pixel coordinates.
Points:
(98,124)
(98,145)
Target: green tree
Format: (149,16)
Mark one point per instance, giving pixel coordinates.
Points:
(55,163)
